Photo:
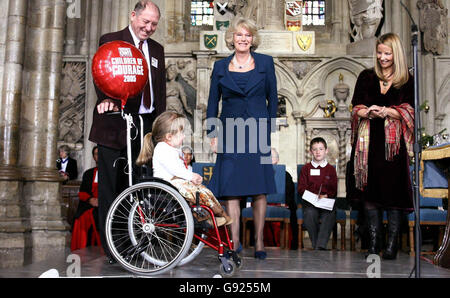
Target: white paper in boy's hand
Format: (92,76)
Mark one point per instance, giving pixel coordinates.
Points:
(323,203)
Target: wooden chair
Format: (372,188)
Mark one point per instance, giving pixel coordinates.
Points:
(341,220)
(431,214)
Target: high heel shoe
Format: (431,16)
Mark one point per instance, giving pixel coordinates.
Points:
(260,254)
(239,249)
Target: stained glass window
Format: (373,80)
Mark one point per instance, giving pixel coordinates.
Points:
(202,13)
(314,12)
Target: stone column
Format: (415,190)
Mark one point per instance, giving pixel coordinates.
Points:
(396,12)
(405,34)
(298,116)
(106,13)
(124,14)
(115,16)
(336,23)
(85,19)
(387,26)
(308,137)
(201,142)
(91,97)
(12,226)
(39,128)
(345,28)
(179,23)
(275,15)
(71,36)
(342,132)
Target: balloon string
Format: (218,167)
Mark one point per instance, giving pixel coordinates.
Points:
(124,101)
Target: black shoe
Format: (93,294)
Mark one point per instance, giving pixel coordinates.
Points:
(394,225)
(374,229)
(260,254)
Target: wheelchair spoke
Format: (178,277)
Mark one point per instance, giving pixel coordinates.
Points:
(149,228)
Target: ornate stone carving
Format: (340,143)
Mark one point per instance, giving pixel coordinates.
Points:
(300,68)
(176,97)
(365,16)
(341,92)
(244,8)
(72,102)
(328,107)
(181,95)
(433,24)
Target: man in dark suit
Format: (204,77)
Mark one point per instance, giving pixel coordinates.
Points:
(66,165)
(109,130)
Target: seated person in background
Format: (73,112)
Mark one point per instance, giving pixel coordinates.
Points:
(290,200)
(162,148)
(320,178)
(188,156)
(85,226)
(66,165)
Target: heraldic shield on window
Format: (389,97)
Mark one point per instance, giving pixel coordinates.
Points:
(202,13)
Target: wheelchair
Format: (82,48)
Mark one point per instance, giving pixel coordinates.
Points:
(150,227)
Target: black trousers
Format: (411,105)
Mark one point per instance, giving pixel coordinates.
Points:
(319,223)
(112,178)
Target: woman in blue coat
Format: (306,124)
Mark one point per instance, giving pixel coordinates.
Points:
(245,82)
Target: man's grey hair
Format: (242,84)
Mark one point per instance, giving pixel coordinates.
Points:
(65,148)
(142,4)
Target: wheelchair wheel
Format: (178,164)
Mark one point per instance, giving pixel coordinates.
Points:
(194,250)
(149,228)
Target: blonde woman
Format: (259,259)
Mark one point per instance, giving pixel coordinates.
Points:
(245,82)
(383,132)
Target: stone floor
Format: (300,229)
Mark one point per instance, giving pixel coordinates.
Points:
(279,264)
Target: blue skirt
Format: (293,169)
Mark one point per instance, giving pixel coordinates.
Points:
(243,166)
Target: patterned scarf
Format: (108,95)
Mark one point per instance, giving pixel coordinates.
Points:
(393,129)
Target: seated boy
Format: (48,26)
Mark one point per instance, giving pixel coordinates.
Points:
(320,178)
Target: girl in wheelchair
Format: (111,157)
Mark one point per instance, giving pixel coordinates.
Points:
(161,150)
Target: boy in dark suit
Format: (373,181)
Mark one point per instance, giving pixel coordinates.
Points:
(320,178)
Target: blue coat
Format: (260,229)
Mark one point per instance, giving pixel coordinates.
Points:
(262,86)
(242,173)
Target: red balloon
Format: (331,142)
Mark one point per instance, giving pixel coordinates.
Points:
(120,70)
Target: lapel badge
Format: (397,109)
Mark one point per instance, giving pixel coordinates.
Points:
(210,41)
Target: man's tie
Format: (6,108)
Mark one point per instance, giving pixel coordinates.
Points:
(147,99)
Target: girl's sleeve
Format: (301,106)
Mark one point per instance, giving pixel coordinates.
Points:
(174,167)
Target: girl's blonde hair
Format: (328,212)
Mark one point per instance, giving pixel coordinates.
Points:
(240,22)
(400,71)
(168,122)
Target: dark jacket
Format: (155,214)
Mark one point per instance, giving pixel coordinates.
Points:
(71,169)
(258,100)
(110,130)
